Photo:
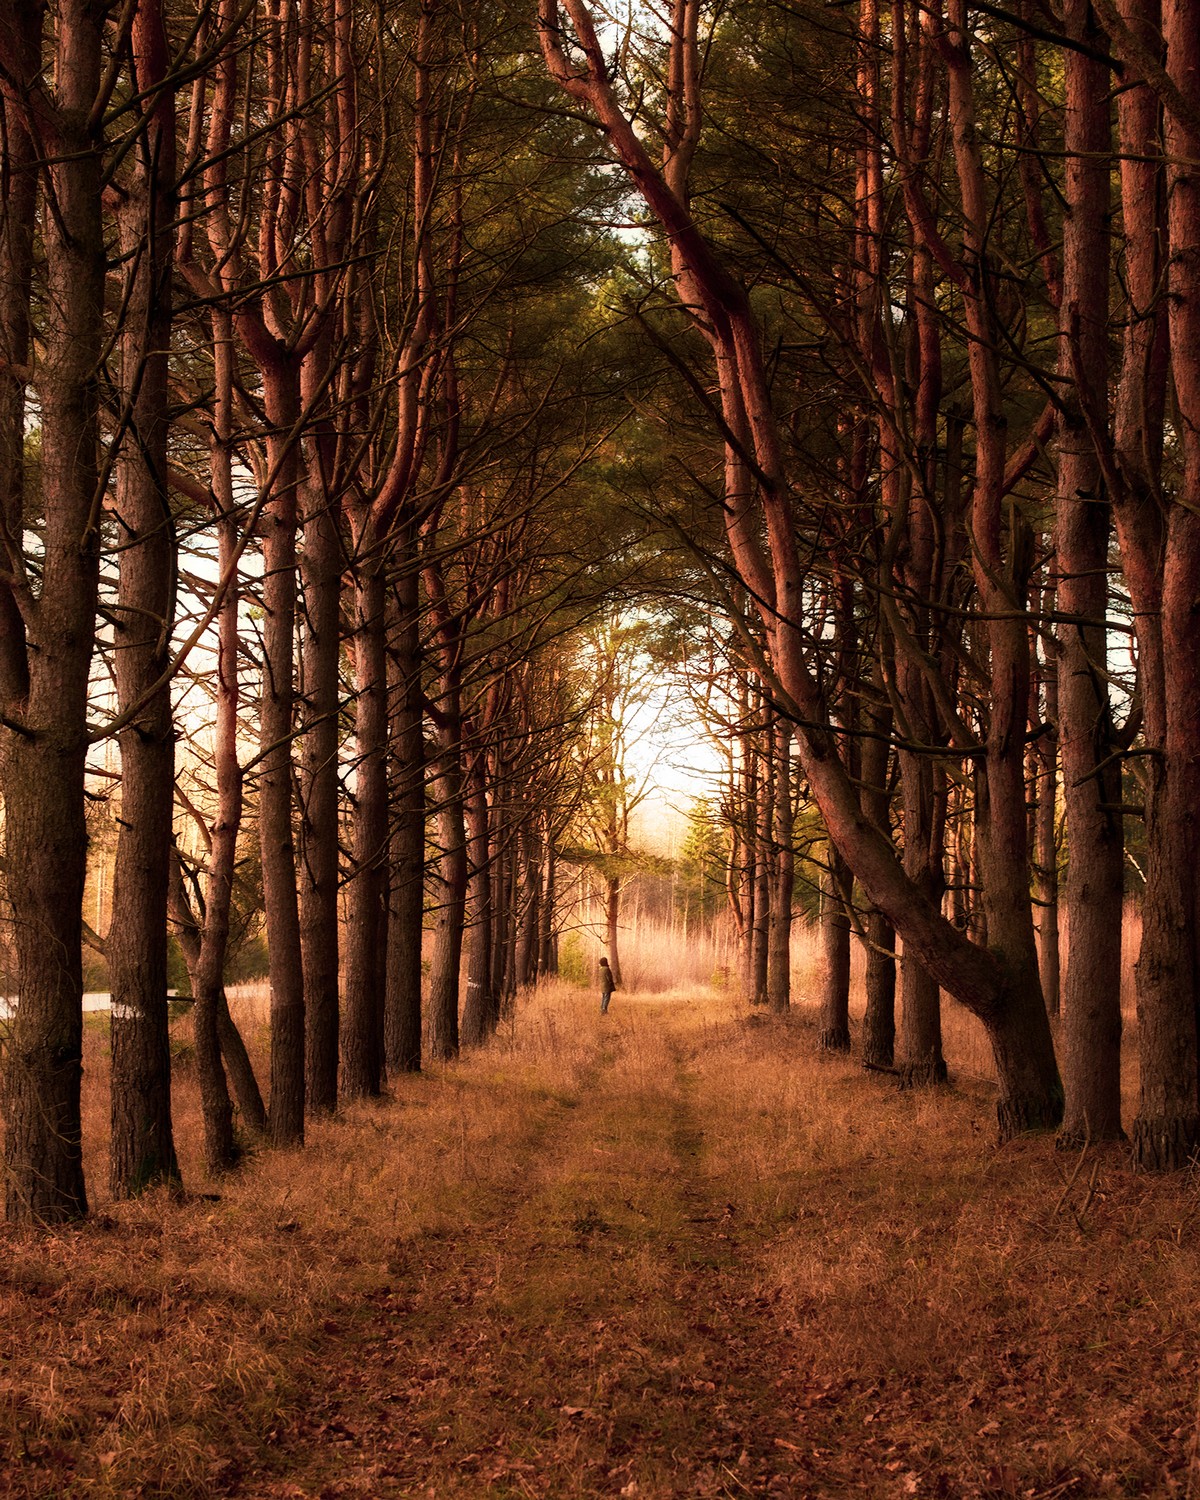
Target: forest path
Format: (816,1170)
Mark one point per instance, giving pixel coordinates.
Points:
(673,1252)
(594,1331)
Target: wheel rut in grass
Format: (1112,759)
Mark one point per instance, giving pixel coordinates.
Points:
(593,1330)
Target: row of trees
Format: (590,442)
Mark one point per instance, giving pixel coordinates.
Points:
(947,323)
(294,411)
(312,398)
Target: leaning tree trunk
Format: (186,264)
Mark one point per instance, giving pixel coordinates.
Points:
(232,1049)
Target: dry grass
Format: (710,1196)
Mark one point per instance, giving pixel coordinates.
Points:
(657,959)
(673,1252)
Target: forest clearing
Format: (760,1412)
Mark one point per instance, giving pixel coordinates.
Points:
(672,1251)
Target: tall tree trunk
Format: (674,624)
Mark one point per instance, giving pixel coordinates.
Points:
(546,959)
(446,967)
(402,1001)
(142,1148)
(834,1034)
(531,887)
(319,796)
(45,833)
(779,955)
(1091,777)
(1045,837)
(276,714)
(920,1052)
(746,811)
(1167,1129)
(612,926)
(362,1041)
(764,821)
(481,1010)
(208,986)
(879,1017)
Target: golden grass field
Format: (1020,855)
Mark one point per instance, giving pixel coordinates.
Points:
(670,1253)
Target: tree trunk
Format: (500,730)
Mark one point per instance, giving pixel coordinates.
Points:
(481,1011)
(276,713)
(546,960)
(920,1053)
(1045,842)
(612,927)
(1167,1130)
(362,1041)
(402,1001)
(142,1148)
(240,1069)
(761,931)
(45,833)
(879,1019)
(1091,777)
(446,967)
(834,1035)
(319,796)
(779,953)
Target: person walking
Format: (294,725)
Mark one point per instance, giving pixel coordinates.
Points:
(607,985)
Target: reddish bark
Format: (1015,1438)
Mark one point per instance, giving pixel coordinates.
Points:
(1091,776)
(362,1035)
(402,996)
(1167,1129)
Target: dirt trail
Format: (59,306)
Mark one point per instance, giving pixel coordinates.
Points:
(596,1333)
(676,1252)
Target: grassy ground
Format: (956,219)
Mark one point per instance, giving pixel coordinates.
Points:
(673,1253)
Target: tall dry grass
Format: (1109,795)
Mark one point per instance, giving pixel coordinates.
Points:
(658,958)
(906,1296)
